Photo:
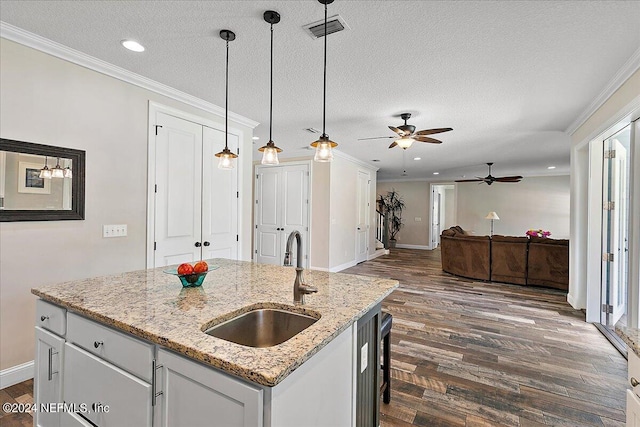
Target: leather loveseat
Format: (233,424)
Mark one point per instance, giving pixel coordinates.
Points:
(518,260)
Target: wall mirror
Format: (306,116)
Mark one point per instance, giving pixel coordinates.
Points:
(40,182)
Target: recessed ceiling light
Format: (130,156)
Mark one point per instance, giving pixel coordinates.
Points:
(417,158)
(375,160)
(436,173)
(551,167)
(132,45)
(255,138)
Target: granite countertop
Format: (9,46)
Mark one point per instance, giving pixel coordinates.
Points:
(154,306)
(631,336)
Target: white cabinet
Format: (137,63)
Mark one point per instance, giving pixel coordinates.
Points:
(47,385)
(196,395)
(633,395)
(282,206)
(196,204)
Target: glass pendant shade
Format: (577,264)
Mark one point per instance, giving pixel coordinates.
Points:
(270,154)
(45,172)
(68,173)
(405,142)
(324,149)
(227,160)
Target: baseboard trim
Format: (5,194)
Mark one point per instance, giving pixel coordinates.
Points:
(403,246)
(572,301)
(377,253)
(318,268)
(16,374)
(342,266)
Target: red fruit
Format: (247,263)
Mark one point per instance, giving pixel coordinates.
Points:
(200,267)
(185,269)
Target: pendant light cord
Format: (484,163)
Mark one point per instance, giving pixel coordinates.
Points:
(324,104)
(271,90)
(226,103)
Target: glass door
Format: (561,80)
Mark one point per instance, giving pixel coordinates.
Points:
(615,193)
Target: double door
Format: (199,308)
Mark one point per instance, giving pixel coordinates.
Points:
(282,206)
(196,204)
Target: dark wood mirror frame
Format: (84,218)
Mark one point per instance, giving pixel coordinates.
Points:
(77,182)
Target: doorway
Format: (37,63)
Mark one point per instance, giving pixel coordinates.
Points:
(442,210)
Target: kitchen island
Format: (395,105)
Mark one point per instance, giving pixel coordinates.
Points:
(149,331)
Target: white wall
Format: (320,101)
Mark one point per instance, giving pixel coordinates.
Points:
(50,101)
(535,202)
(417,204)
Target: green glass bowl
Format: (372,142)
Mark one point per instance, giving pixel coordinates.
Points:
(190,280)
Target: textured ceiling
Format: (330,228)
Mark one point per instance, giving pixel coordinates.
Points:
(508,76)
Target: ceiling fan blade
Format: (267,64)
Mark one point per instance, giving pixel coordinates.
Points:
(469,180)
(393,144)
(432,131)
(398,131)
(427,139)
(377,137)
(509,179)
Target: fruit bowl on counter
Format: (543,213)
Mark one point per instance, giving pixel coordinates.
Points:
(191,275)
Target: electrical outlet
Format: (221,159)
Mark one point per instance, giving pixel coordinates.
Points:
(117,230)
(418,219)
(364,359)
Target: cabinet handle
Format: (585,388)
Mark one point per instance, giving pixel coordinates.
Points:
(634,382)
(198,244)
(206,243)
(154,380)
(50,373)
(97,344)
(43,318)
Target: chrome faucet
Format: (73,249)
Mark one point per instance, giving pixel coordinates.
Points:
(300,289)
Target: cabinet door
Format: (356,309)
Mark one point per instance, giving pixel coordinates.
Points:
(179,191)
(219,199)
(105,395)
(196,395)
(47,385)
(633,409)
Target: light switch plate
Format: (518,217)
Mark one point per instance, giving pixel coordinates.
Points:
(418,219)
(117,230)
(364,359)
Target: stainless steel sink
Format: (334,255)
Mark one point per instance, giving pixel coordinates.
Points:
(263,327)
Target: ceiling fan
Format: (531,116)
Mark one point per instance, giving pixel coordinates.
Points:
(408,134)
(490,179)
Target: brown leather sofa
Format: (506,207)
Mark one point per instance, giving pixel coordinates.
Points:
(518,260)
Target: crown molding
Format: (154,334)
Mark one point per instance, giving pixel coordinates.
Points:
(343,155)
(34,41)
(627,70)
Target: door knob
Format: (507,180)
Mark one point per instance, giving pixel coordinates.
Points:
(198,244)
(206,243)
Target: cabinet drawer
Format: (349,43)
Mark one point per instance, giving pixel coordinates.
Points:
(90,383)
(51,317)
(124,351)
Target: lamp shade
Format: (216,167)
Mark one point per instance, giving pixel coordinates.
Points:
(492,215)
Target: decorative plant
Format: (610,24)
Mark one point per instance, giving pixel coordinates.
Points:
(538,233)
(392,206)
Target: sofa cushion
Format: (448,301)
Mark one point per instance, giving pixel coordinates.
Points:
(466,256)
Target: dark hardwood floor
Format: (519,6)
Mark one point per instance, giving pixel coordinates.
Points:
(474,354)
(467,353)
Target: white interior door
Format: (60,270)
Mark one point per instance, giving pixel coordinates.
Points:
(295,205)
(362,227)
(219,199)
(179,190)
(268,211)
(435,218)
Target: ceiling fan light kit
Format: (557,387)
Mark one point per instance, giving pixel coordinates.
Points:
(270,151)
(324,145)
(227,158)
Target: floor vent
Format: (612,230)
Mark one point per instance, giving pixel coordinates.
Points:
(335,24)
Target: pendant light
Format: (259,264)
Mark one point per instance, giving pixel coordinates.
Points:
(270,151)
(324,145)
(57,171)
(45,172)
(227,158)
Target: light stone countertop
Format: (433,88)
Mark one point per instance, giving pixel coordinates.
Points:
(154,306)
(631,336)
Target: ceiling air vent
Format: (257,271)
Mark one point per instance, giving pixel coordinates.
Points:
(335,24)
